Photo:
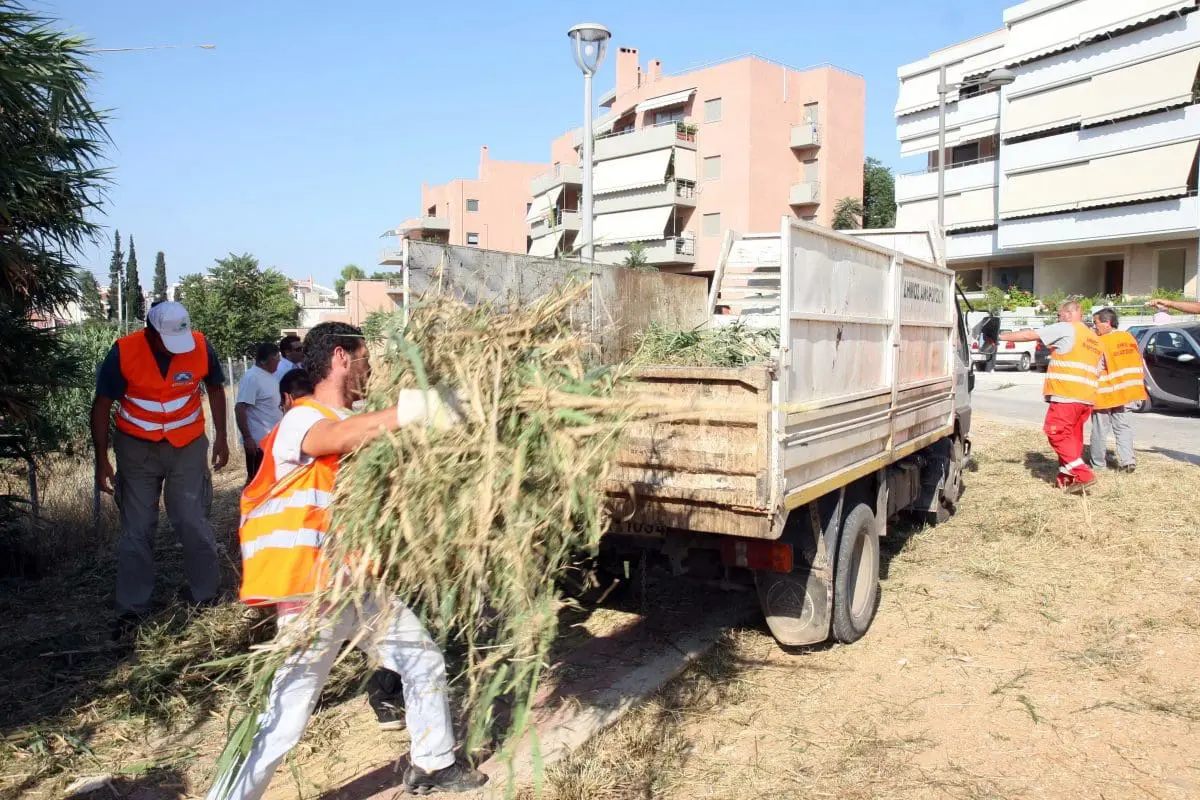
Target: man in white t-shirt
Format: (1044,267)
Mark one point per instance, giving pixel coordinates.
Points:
(291,355)
(257,410)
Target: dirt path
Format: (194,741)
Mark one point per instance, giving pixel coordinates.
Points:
(1037,646)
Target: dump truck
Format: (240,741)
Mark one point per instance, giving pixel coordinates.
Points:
(790,472)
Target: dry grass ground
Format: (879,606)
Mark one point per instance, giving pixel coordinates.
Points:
(1036,646)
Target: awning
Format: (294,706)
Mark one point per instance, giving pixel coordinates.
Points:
(1042,111)
(631,172)
(543,203)
(546,246)
(685,165)
(1050,32)
(1139,88)
(920,92)
(644,224)
(665,101)
(1156,172)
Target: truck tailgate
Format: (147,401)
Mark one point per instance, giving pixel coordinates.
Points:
(707,473)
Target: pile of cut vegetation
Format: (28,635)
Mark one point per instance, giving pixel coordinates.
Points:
(734,345)
(471,527)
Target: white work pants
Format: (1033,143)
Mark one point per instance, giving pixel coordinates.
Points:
(402,646)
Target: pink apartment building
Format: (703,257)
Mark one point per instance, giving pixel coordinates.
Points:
(681,159)
(487,212)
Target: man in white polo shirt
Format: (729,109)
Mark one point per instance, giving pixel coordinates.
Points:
(257,410)
(291,352)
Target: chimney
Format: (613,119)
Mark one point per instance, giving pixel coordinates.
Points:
(654,71)
(628,72)
(483,159)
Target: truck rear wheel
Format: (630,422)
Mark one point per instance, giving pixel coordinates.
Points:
(856,577)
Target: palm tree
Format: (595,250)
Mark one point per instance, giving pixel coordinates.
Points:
(52,140)
(637,257)
(848,213)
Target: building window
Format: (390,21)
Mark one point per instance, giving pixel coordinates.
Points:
(528,207)
(668,115)
(472,205)
(971,280)
(1171,270)
(964,154)
(473,238)
(712,110)
(431,211)
(711,225)
(810,114)
(712,168)
(1013,278)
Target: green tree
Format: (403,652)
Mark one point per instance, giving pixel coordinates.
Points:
(848,213)
(116,274)
(50,184)
(350,272)
(387,276)
(135,298)
(238,304)
(160,277)
(637,257)
(89,298)
(879,195)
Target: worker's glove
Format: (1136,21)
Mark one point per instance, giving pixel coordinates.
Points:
(439,408)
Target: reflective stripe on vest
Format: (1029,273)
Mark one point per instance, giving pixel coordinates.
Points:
(1124,379)
(1075,374)
(157,407)
(284,523)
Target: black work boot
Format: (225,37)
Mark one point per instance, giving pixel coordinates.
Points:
(457,777)
(386,697)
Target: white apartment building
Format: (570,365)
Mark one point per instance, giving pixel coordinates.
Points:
(1081,175)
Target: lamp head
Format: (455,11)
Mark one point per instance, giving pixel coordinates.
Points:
(589,41)
(1000,77)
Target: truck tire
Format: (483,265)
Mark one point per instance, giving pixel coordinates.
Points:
(950,485)
(856,576)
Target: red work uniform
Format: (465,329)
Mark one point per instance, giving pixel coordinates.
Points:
(1072,379)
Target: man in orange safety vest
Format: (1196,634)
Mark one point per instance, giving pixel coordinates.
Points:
(1072,378)
(285,521)
(154,378)
(1122,382)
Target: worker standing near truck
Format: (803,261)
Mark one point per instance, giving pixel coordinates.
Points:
(285,518)
(1123,381)
(155,377)
(1072,380)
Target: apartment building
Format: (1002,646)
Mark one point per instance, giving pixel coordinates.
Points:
(681,159)
(487,212)
(1080,176)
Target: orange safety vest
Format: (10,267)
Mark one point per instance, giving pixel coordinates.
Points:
(1124,378)
(1075,374)
(283,524)
(156,407)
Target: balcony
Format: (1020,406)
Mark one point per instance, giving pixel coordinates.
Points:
(804,135)
(675,192)
(648,138)
(558,220)
(805,193)
(391,256)
(657,252)
(560,175)
(959,177)
(1163,219)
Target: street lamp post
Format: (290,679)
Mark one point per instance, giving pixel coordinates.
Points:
(589,42)
(995,78)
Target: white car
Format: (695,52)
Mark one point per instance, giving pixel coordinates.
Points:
(987,354)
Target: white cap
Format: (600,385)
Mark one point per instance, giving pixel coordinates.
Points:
(174,326)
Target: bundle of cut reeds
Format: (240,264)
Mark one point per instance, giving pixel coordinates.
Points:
(733,345)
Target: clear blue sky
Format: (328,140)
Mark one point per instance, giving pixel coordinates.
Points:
(308,131)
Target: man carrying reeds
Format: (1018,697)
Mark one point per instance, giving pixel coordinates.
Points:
(285,519)
(154,377)
(1072,379)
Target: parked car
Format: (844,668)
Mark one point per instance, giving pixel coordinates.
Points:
(1172,356)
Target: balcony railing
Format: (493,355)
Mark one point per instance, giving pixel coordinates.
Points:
(562,173)
(685,189)
(950,165)
(806,134)
(683,131)
(805,193)
(685,246)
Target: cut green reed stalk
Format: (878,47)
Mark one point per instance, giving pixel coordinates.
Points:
(470,527)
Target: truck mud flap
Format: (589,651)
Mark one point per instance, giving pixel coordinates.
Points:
(798,606)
